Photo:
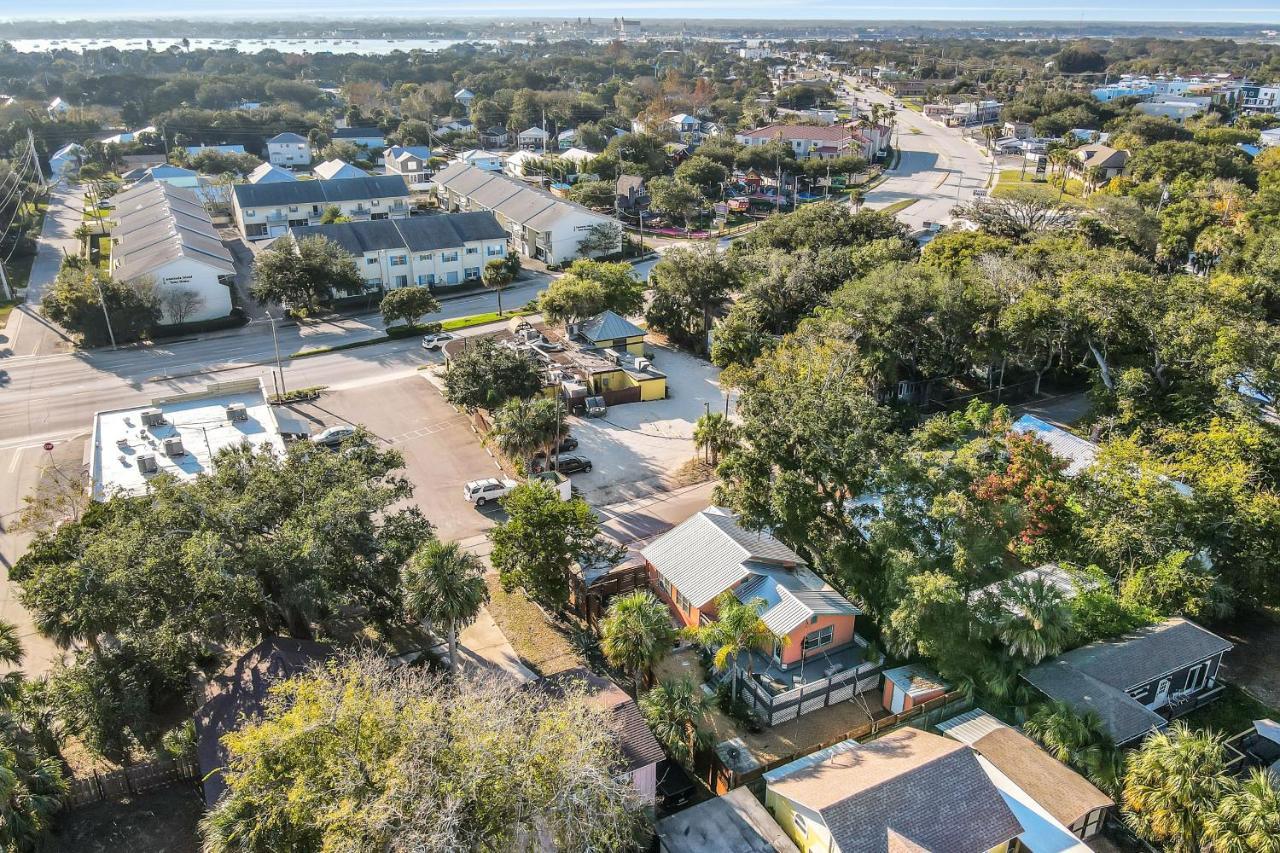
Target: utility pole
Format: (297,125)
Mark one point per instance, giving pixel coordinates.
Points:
(275,340)
(97,285)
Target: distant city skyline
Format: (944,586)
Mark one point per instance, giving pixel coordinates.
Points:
(1086,11)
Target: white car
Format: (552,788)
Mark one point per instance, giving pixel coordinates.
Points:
(438,340)
(480,492)
(334,435)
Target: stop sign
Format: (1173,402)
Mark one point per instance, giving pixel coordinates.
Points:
(48,445)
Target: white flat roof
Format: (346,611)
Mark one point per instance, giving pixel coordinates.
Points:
(199,418)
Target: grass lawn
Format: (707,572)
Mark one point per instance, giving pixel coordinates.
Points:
(5,309)
(898,206)
(544,646)
(1011,179)
(1231,713)
(914,106)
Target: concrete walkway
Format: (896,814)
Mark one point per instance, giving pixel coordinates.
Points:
(28,332)
(483,648)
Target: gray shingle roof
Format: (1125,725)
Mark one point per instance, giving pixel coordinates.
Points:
(287,136)
(635,741)
(1124,717)
(417,234)
(269,174)
(924,789)
(320,192)
(157,224)
(733,823)
(1148,653)
(356,133)
(608,326)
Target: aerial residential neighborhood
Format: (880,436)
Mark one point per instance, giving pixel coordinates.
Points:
(629,430)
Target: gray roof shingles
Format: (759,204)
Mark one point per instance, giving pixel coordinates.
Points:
(417,234)
(320,192)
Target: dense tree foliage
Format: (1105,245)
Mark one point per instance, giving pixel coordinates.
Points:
(101,309)
(400,749)
(305,274)
(485,375)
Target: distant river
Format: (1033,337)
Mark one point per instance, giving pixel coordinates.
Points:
(330,45)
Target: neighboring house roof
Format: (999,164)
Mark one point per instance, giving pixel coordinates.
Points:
(269,174)
(417,233)
(356,133)
(1096,676)
(914,680)
(908,790)
(194,150)
(1102,156)
(1078,453)
(477,154)
(464,93)
(710,553)
(321,192)
(240,694)
(287,138)
(158,223)
(1067,583)
(534,131)
(404,152)
(824,133)
(635,741)
(733,823)
(609,326)
(628,184)
(71,148)
(332,170)
(510,197)
(578,155)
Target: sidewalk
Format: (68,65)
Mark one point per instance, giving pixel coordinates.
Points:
(483,648)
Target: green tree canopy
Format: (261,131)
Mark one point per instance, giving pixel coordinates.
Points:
(485,375)
(79,295)
(407,304)
(304,275)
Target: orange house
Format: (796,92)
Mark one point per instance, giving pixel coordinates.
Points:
(710,553)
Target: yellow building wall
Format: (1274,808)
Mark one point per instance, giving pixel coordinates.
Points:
(653,389)
(635,346)
(816,838)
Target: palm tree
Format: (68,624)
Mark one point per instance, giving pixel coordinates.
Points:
(1080,740)
(522,428)
(32,789)
(1171,783)
(496,276)
(1061,158)
(444,584)
(1247,820)
(1036,621)
(738,629)
(11,655)
(715,434)
(636,635)
(674,710)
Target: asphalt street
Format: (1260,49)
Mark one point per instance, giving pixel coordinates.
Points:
(938,167)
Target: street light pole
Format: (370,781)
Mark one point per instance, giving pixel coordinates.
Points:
(275,340)
(97,285)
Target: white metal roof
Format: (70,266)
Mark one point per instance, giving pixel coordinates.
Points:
(199,419)
(970,726)
(1078,453)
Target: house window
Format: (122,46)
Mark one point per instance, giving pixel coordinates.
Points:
(819,638)
(399,260)
(682,602)
(424,257)
(249,214)
(293,209)
(472,250)
(472,273)
(402,281)
(664,584)
(376,202)
(801,825)
(493,251)
(448,256)
(370,261)
(423,280)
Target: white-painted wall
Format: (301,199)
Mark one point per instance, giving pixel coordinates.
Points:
(289,153)
(190,274)
(439,268)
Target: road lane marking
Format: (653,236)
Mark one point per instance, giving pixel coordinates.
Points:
(17,457)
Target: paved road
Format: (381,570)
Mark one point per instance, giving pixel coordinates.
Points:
(938,167)
(27,332)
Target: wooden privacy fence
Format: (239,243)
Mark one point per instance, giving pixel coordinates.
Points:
(807,698)
(719,779)
(131,780)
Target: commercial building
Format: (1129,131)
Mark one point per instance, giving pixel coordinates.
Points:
(178,435)
(541,226)
(163,234)
(270,209)
(423,251)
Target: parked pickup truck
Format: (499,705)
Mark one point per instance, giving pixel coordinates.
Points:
(480,492)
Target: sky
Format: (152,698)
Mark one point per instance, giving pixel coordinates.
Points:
(1130,11)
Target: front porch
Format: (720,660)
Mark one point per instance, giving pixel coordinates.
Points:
(826,678)
(820,664)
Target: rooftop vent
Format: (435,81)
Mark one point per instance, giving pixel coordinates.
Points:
(152,417)
(642,364)
(173,447)
(147,464)
(237,412)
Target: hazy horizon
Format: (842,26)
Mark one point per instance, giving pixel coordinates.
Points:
(1083,11)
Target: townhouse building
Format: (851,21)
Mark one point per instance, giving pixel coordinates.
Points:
(268,210)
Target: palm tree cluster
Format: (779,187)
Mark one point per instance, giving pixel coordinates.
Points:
(737,631)
(444,585)
(523,428)
(636,635)
(1080,740)
(674,711)
(1179,794)
(715,434)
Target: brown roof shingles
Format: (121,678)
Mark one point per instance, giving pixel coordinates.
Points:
(1061,791)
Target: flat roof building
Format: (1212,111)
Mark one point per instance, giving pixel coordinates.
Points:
(178,435)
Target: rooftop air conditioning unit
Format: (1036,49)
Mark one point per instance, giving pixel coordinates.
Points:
(147,464)
(237,412)
(173,447)
(642,364)
(572,330)
(152,417)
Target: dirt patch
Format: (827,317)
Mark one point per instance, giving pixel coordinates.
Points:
(545,647)
(692,472)
(162,821)
(1254,664)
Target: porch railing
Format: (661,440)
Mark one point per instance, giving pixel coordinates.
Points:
(807,698)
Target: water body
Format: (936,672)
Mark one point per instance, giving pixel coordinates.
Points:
(333,45)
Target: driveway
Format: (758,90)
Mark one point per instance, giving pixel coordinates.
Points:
(637,446)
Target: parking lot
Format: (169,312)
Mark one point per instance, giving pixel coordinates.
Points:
(636,447)
(441,453)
